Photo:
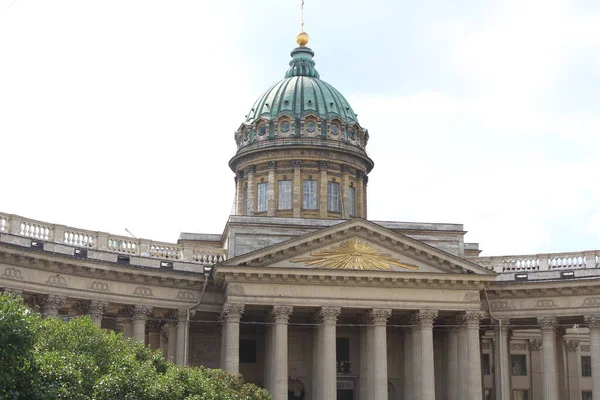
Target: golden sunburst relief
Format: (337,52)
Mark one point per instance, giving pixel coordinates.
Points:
(353,254)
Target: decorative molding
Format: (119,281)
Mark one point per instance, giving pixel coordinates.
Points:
(591,302)
(143,291)
(56,280)
(545,303)
(572,345)
(518,346)
(499,305)
(535,344)
(185,295)
(585,348)
(98,286)
(13,273)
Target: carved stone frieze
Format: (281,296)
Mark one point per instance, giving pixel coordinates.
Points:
(547,323)
(545,303)
(56,280)
(99,286)
(185,295)
(535,344)
(518,346)
(591,302)
(471,297)
(499,305)
(572,345)
(13,273)
(143,291)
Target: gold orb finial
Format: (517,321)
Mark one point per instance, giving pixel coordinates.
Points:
(302,39)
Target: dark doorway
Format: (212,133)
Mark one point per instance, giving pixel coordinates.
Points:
(345,394)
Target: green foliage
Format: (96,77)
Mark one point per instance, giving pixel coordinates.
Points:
(52,359)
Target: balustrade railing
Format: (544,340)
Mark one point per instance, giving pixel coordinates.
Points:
(25,227)
(540,262)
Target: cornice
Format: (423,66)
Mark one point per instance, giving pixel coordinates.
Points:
(553,288)
(97,269)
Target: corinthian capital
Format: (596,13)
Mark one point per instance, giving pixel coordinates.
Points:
(378,316)
(547,323)
(281,314)
(232,312)
(535,344)
(592,321)
(141,313)
(424,317)
(328,315)
(470,319)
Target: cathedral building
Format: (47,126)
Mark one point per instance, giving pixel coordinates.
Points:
(303,294)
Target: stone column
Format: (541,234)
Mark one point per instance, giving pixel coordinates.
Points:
(317,359)
(271,189)
(297,189)
(423,374)
(502,366)
(124,318)
(231,315)
(328,380)
(153,329)
(572,347)
(471,354)
(251,190)
(377,380)
(240,207)
(452,358)
(344,192)
(549,368)
(164,340)
(323,195)
(359,194)
(140,315)
(181,331)
(172,333)
(366,337)
(268,370)
(537,385)
(364,196)
(593,323)
(94,308)
(279,352)
(408,363)
(50,304)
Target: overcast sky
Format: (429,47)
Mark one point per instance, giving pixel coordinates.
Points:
(121,114)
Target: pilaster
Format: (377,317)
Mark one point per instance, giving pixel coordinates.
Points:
(572,347)
(271,189)
(322,195)
(297,189)
(251,190)
(537,382)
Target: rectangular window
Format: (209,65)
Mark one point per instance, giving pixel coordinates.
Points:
(586,366)
(586,395)
(247,351)
(485,361)
(333,197)
(351,194)
(285,195)
(309,195)
(262,197)
(520,394)
(519,364)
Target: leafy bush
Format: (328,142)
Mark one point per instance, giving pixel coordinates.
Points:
(52,359)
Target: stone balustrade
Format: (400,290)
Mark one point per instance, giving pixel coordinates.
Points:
(540,262)
(64,235)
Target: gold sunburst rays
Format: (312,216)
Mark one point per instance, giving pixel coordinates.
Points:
(353,254)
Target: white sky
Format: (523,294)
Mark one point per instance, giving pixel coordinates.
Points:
(120,114)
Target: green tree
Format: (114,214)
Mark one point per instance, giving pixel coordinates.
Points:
(75,360)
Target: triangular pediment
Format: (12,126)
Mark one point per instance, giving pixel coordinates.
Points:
(357,245)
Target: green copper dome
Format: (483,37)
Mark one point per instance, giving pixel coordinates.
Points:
(300,93)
